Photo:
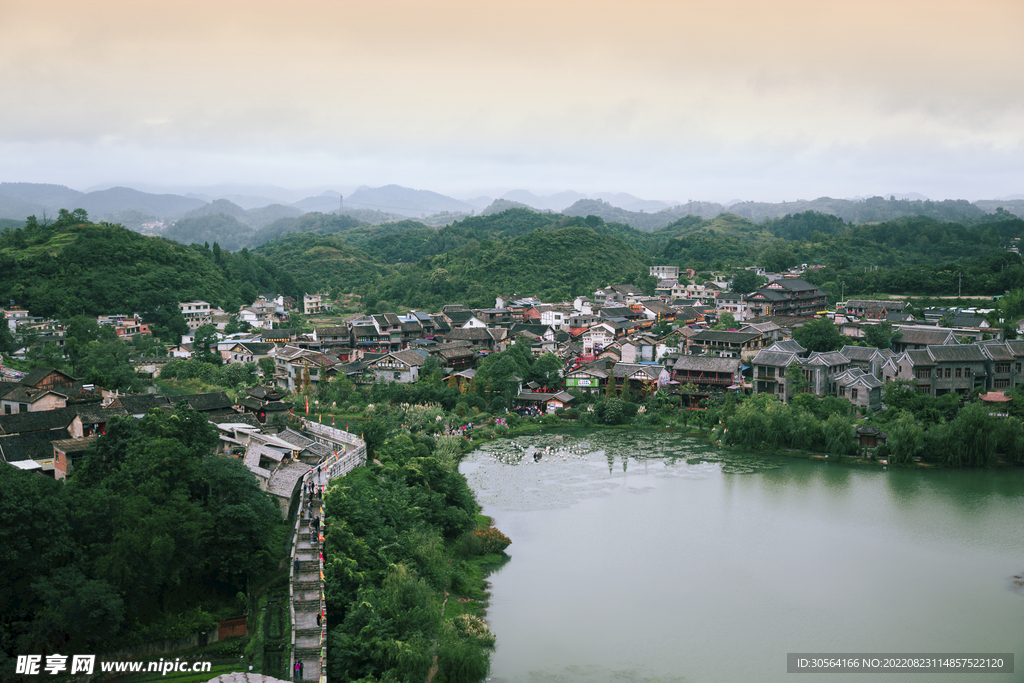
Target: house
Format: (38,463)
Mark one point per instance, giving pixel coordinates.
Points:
(642,379)
(589,378)
(484,340)
(398,366)
(657,310)
(543,401)
(455,357)
(280,336)
(918,337)
(871,309)
(297,367)
(772,372)
(597,337)
(56,423)
(742,344)
(867,358)
(859,388)
(733,303)
(316,303)
(69,453)
(665,272)
(792,297)
(494,317)
(704,371)
(47,378)
(196,313)
(212,403)
(247,352)
(22,399)
(618,294)
(870,436)
(939,370)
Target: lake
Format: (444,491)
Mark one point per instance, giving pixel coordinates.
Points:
(642,556)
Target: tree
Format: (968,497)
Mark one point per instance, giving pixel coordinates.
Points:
(726,321)
(205,345)
(267,367)
(906,436)
(881,336)
(818,334)
(746,281)
(839,439)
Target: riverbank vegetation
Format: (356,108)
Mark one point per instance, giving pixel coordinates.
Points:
(151,538)
(405,557)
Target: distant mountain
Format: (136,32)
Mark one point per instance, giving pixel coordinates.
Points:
(51,196)
(121,198)
(244,201)
(554,202)
(371,216)
(627,201)
(324,203)
(1014,206)
(871,210)
(405,201)
(229,232)
(499,205)
(480,203)
(218,206)
(613,214)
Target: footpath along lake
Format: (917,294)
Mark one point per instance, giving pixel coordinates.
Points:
(648,557)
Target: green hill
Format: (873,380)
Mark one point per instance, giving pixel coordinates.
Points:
(553,264)
(75,267)
(324,260)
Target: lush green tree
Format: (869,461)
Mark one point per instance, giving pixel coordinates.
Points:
(234,374)
(204,347)
(267,368)
(818,334)
(972,437)
(881,336)
(747,281)
(839,435)
(726,321)
(906,436)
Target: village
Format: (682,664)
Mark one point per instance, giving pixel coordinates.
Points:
(693,339)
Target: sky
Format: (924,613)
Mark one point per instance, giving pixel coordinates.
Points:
(716,100)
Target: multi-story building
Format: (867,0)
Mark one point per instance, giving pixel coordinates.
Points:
(792,297)
(196,313)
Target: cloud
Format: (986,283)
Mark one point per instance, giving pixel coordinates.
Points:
(552,94)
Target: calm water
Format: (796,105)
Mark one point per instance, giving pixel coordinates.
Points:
(650,557)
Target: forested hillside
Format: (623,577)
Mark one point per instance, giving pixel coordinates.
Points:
(73,266)
(550,264)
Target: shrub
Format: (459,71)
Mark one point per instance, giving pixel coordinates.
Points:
(491,540)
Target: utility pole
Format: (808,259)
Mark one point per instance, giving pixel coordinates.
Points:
(959,285)
(842,292)
(341,198)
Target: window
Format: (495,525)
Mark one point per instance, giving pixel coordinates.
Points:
(1002,367)
(398,375)
(1002,383)
(922,373)
(948,370)
(958,373)
(853,394)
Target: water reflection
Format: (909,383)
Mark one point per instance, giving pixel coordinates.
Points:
(714,549)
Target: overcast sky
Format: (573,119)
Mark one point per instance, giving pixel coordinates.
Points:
(716,100)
